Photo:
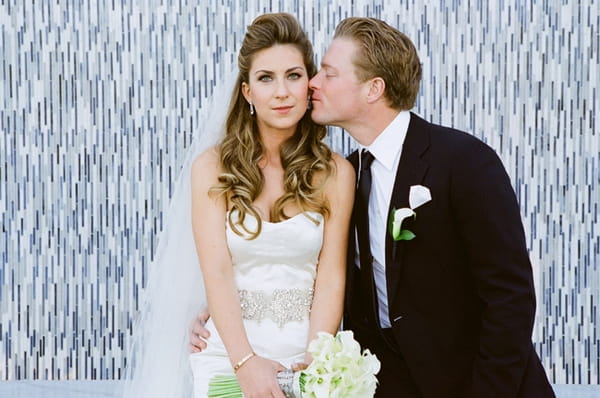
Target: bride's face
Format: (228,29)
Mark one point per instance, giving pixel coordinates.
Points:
(278,88)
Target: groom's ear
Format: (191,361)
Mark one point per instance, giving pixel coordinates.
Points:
(376,90)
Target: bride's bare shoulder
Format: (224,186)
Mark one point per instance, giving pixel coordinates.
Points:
(207,164)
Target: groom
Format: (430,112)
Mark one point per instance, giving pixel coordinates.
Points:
(445,300)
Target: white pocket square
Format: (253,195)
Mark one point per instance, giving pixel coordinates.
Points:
(418,196)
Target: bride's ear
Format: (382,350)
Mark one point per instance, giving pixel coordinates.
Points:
(246,92)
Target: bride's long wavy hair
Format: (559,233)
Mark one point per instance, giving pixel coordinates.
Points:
(302,156)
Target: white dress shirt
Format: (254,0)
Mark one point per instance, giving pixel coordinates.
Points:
(386,149)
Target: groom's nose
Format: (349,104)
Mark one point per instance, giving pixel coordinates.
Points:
(315,82)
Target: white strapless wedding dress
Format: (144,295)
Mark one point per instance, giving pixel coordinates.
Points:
(275,275)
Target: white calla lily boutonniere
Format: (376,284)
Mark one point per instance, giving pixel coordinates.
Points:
(418,196)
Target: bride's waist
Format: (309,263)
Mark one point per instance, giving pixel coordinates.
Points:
(267,338)
(278,305)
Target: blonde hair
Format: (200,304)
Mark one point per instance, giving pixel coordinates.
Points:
(387,53)
(303,155)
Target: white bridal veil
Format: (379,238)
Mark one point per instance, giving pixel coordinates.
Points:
(158,356)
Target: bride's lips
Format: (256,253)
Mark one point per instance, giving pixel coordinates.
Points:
(283,109)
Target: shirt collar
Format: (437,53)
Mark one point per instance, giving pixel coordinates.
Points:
(387,146)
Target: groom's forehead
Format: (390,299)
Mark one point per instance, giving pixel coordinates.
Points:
(339,54)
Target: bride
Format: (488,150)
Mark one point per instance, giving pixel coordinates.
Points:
(270,211)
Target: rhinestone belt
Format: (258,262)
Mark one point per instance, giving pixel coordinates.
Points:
(280,305)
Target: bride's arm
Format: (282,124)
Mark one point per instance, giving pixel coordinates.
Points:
(328,301)
(257,375)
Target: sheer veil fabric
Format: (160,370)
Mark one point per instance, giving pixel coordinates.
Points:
(158,357)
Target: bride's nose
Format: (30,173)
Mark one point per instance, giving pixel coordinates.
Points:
(281,89)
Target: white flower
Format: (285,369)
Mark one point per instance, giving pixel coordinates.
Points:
(339,369)
(399,216)
(417,196)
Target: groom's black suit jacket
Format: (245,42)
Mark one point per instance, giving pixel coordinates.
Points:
(460,293)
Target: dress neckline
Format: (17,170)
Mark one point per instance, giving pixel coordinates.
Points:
(302,213)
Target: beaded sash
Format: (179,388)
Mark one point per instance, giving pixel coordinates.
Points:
(280,305)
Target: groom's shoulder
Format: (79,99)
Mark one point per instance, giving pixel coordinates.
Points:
(451,137)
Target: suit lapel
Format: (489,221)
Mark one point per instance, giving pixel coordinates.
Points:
(411,171)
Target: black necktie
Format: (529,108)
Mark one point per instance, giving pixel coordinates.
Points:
(362,231)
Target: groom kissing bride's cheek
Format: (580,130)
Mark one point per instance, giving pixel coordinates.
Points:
(438,284)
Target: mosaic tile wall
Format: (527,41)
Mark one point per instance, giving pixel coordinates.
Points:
(100,99)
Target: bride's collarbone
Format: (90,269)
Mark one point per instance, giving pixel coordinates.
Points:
(265,207)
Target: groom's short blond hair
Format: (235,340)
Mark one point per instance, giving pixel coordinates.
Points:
(385,52)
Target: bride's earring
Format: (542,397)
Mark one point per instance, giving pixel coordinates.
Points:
(309,103)
(251,109)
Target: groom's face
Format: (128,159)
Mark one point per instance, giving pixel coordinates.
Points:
(338,95)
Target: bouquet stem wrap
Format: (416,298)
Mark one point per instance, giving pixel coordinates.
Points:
(290,383)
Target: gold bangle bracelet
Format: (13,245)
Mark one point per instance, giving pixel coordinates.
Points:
(238,365)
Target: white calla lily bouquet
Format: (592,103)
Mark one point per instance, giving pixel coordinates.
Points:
(339,370)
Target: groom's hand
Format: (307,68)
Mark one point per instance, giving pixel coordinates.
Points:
(199,333)
(299,366)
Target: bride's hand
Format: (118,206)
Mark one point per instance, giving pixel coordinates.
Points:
(258,378)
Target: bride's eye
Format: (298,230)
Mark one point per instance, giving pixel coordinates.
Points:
(265,78)
(294,76)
